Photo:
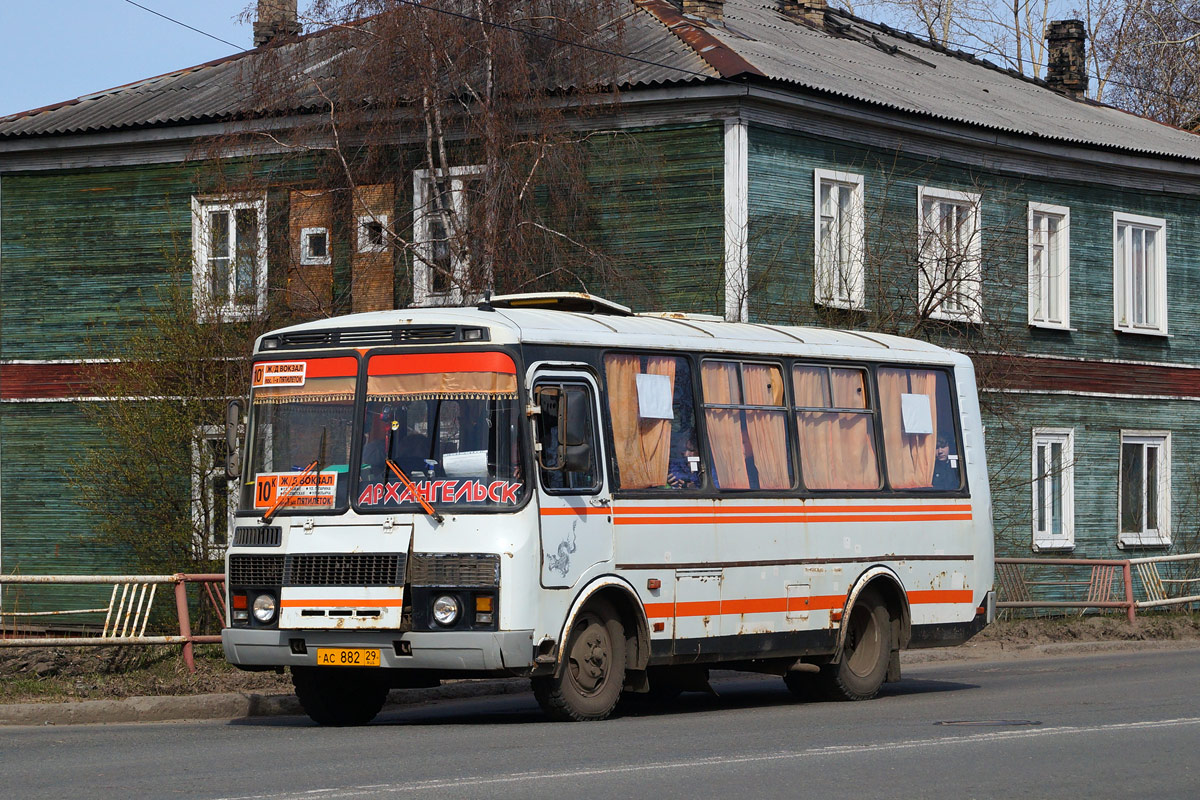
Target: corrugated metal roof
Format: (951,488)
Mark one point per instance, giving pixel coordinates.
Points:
(849,58)
(872,64)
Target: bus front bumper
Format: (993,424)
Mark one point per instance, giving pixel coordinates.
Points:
(452,652)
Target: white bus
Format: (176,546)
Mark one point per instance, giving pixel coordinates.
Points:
(555,487)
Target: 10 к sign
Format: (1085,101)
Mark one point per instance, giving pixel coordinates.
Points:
(302,490)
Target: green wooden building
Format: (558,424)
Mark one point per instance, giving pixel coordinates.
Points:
(773,161)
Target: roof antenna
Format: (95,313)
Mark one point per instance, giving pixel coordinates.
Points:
(486,303)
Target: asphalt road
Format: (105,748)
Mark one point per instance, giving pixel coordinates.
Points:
(1107,725)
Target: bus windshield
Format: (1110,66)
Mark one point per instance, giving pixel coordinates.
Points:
(442,427)
(301,423)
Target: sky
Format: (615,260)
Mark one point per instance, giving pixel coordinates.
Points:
(56,50)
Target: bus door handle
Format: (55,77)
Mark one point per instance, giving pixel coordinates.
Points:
(600,501)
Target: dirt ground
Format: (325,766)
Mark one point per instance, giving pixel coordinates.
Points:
(56,674)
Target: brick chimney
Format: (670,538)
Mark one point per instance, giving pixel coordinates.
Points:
(810,11)
(705,9)
(1066,71)
(275,20)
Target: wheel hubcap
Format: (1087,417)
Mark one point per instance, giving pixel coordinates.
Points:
(862,642)
(589,657)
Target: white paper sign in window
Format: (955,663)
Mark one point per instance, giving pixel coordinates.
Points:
(915,414)
(654,397)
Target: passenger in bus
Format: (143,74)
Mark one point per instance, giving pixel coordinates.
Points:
(945,468)
(683,471)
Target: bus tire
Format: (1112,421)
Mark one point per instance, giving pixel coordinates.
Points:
(338,697)
(866,652)
(588,684)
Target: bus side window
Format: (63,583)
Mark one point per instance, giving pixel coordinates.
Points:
(567,457)
(920,430)
(746,420)
(653,418)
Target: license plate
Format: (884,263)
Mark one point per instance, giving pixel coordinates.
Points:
(347,657)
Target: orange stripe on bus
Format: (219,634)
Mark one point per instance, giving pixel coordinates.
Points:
(732,520)
(791,508)
(357,602)
(416,364)
(941,596)
(574,512)
(779,605)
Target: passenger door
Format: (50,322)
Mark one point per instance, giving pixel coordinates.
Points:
(575,506)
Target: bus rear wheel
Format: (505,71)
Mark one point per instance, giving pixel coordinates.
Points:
(338,697)
(865,652)
(588,684)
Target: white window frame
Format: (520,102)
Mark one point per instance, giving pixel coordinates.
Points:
(1053,250)
(203,473)
(1160,536)
(1124,277)
(423,212)
(826,272)
(306,256)
(364,243)
(1041,494)
(231,310)
(970,284)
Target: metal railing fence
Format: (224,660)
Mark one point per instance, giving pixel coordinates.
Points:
(128,613)
(1082,583)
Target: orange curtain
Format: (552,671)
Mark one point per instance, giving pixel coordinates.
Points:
(718,381)
(654,435)
(837,449)
(643,446)
(767,429)
(910,456)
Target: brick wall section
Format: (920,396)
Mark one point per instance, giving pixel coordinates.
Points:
(372,273)
(309,286)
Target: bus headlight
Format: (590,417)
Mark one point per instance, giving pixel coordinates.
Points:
(445,610)
(264,608)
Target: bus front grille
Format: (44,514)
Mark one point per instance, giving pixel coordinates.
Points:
(269,536)
(345,569)
(318,569)
(255,570)
(456,569)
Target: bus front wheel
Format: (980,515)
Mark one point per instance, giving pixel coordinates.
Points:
(589,681)
(865,652)
(338,696)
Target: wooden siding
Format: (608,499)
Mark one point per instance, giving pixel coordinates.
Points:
(83,251)
(1097,424)
(662,217)
(781,243)
(45,532)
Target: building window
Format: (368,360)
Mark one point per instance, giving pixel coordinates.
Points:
(1049,266)
(314,246)
(214,496)
(1145,488)
(838,259)
(441,216)
(1139,274)
(949,246)
(1053,489)
(229,255)
(372,233)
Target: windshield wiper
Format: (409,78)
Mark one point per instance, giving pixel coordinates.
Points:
(309,470)
(412,488)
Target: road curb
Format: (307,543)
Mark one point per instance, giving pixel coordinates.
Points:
(228,706)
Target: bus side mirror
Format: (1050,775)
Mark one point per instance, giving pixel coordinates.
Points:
(233,459)
(564,429)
